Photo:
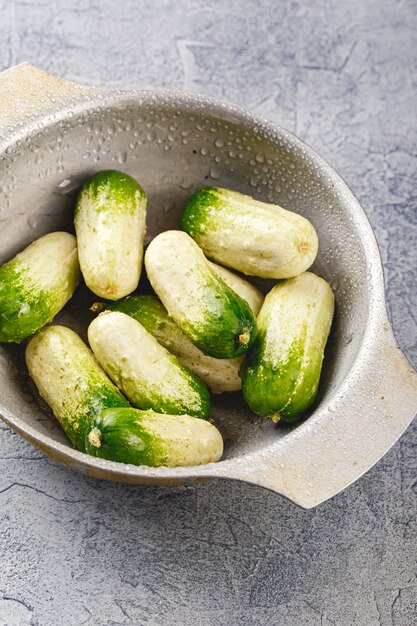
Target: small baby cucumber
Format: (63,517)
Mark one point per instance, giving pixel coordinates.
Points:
(243,288)
(281,374)
(213,316)
(153,439)
(149,375)
(36,284)
(254,237)
(70,380)
(110,222)
(218,374)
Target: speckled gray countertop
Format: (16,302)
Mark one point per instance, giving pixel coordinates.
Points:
(342,76)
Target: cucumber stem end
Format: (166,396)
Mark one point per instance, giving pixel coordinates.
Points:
(275,417)
(94,437)
(244,338)
(98,307)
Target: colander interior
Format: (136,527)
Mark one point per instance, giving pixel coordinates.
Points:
(173,146)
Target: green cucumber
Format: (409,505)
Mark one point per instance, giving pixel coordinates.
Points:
(36,284)
(218,374)
(110,222)
(243,288)
(70,380)
(254,237)
(280,376)
(153,439)
(149,375)
(213,316)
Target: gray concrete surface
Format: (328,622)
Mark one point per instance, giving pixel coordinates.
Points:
(341,75)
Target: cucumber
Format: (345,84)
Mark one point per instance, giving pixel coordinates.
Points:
(256,238)
(213,316)
(149,376)
(243,288)
(218,374)
(148,438)
(70,380)
(280,376)
(110,223)
(36,284)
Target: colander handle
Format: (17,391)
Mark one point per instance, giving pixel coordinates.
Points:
(27,92)
(341,442)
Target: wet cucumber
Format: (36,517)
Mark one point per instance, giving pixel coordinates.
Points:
(36,284)
(243,288)
(70,380)
(149,375)
(213,316)
(218,374)
(148,438)
(280,376)
(110,222)
(254,237)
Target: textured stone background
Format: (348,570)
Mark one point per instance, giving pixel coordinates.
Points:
(341,75)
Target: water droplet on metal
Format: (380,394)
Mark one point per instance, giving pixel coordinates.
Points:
(168,204)
(32,221)
(185,184)
(215,173)
(68,185)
